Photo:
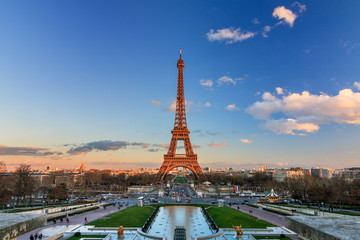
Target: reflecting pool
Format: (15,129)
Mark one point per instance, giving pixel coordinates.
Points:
(189,217)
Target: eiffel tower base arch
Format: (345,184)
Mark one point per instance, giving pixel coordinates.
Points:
(171,162)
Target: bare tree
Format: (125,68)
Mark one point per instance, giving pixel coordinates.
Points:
(59,192)
(2,166)
(93,178)
(5,193)
(24,183)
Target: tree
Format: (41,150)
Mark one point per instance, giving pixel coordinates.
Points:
(340,187)
(93,178)
(299,187)
(5,193)
(44,191)
(355,192)
(317,192)
(24,183)
(59,192)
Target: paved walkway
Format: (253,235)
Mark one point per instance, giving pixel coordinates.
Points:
(306,211)
(52,229)
(273,218)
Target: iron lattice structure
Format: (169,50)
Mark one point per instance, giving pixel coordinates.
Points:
(180,132)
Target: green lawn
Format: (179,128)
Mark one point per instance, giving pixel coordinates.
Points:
(180,179)
(345,213)
(86,236)
(130,217)
(226,217)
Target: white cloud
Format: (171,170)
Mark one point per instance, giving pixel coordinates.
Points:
(229,35)
(263,110)
(279,91)
(226,79)
(357,85)
(302,7)
(206,83)
(265,31)
(172,106)
(306,112)
(246,141)
(207,104)
(288,126)
(349,45)
(232,107)
(215,145)
(155,102)
(284,15)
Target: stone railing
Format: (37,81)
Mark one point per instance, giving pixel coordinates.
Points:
(150,220)
(211,222)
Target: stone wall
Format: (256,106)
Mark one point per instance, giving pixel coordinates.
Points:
(325,227)
(13,225)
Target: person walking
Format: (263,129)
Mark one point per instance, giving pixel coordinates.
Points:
(36,236)
(31,237)
(40,236)
(85,219)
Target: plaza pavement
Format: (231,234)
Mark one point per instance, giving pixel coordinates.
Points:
(52,229)
(273,218)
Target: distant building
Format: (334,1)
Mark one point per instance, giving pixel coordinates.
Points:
(207,169)
(316,172)
(281,174)
(327,173)
(82,167)
(321,172)
(350,174)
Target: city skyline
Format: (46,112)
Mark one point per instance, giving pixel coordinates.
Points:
(265,83)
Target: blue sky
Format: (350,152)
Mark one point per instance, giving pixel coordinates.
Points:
(267,82)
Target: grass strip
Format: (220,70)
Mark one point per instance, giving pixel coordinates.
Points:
(226,217)
(129,217)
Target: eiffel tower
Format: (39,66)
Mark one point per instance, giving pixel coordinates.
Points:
(180,132)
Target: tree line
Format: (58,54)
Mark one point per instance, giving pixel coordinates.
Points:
(22,188)
(305,188)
